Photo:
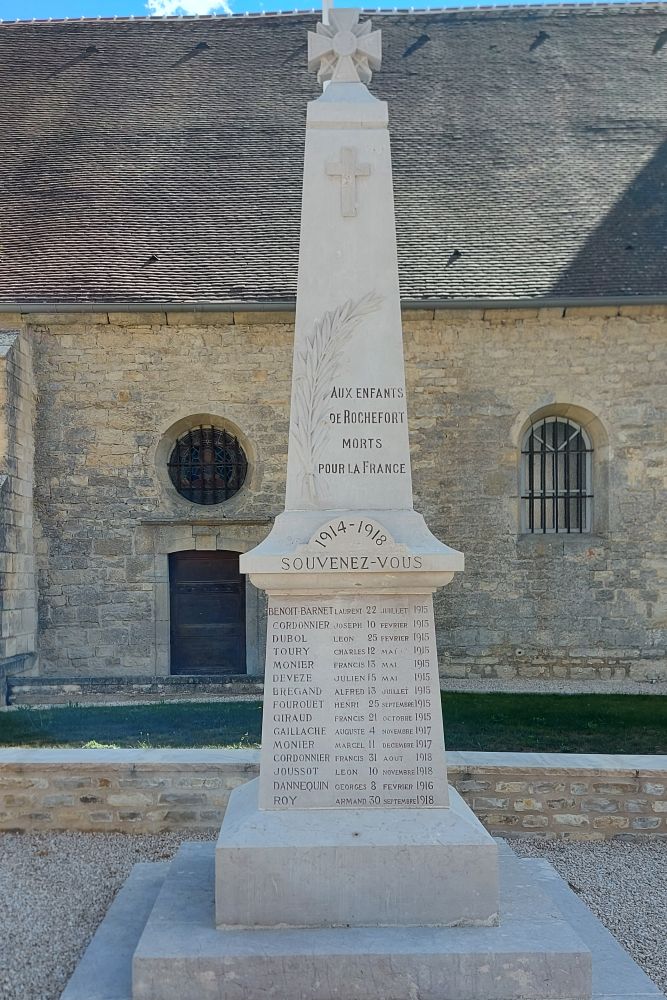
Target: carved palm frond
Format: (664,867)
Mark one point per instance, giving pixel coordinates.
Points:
(315,371)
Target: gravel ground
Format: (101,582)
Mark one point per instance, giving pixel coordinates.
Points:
(56,887)
(538,686)
(516,685)
(54,890)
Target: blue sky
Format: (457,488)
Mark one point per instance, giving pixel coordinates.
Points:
(26,9)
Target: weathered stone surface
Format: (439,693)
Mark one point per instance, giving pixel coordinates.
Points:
(535,822)
(353,867)
(600,619)
(27,777)
(31,690)
(18,596)
(355,721)
(105,971)
(532,954)
(350,824)
(563,819)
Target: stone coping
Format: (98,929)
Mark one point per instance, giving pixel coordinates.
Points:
(589,762)
(459,759)
(109,756)
(152,680)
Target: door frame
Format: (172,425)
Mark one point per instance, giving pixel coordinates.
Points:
(188,572)
(178,538)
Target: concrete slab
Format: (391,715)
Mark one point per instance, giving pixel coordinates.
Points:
(330,868)
(615,975)
(532,955)
(105,971)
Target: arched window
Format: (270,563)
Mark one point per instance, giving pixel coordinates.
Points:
(556,478)
(207,465)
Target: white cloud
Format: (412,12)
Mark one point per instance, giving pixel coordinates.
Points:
(167,8)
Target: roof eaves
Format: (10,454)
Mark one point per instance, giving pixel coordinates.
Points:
(283,305)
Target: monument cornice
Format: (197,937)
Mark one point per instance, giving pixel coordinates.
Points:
(348,584)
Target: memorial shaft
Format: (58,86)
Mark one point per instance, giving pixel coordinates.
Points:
(352,714)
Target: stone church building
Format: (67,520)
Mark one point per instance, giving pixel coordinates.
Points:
(150,177)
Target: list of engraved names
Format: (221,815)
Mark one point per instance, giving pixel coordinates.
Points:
(352,713)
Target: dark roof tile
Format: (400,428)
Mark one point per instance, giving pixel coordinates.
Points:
(160,159)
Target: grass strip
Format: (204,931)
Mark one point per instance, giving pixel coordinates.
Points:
(548,723)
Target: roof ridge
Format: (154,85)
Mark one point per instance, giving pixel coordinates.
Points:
(589,7)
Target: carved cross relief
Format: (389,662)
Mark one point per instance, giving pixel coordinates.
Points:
(348,170)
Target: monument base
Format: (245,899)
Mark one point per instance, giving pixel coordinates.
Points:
(532,955)
(354,867)
(158,941)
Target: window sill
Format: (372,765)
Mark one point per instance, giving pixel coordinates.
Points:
(534,544)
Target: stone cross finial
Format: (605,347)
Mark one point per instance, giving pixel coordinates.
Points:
(344,50)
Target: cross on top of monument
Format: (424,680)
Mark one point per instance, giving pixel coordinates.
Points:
(344,50)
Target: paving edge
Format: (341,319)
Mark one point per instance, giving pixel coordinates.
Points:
(105,970)
(613,968)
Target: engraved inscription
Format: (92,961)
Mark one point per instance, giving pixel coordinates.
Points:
(359,544)
(352,714)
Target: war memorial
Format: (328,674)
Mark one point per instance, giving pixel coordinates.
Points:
(350,870)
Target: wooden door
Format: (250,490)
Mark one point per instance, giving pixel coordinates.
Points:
(207,613)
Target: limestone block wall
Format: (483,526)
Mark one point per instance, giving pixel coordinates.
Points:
(566,606)
(18,598)
(583,797)
(113,387)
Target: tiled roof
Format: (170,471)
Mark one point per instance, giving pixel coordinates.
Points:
(159,160)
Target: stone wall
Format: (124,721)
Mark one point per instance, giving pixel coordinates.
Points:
(113,387)
(18,599)
(590,797)
(577,606)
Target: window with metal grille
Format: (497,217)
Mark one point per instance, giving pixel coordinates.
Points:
(556,481)
(207,465)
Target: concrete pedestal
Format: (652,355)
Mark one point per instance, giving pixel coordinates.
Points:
(363,867)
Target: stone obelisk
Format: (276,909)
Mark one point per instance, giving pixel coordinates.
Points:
(352,773)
